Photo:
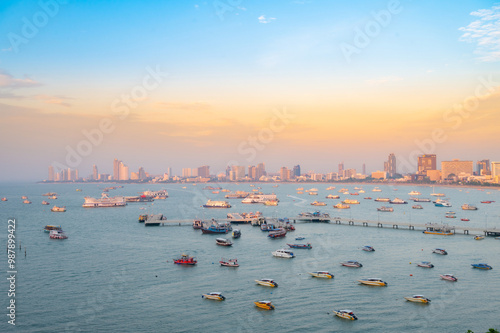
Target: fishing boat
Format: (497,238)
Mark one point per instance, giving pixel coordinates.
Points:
(267,283)
(478,237)
(49,228)
(216,228)
(414,193)
(223,242)
(299,238)
(468,207)
(425,264)
(331,196)
(481,266)
(450,216)
(58,209)
(346,314)
(185,260)
(45,202)
(216,204)
(57,234)
(283,253)
(229,262)
(448,277)
(341,206)
(385,209)
(214,296)
(442,203)
(440,251)
(27,201)
(373,282)
(236,233)
(266,305)
(398,201)
(382,200)
(350,202)
(318,203)
(322,274)
(422,200)
(418,299)
(197,224)
(271,203)
(465,219)
(417,207)
(351,263)
(279,233)
(367,198)
(4,199)
(438,230)
(300,246)
(368,248)
(487,201)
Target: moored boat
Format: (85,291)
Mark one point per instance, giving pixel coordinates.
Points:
(438,230)
(373,282)
(58,209)
(398,201)
(223,242)
(267,283)
(216,204)
(283,253)
(442,203)
(104,201)
(331,196)
(45,202)
(440,251)
(318,203)
(368,248)
(271,203)
(414,193)
(266,305)
(341,206)
(4,199)
(425,264)
(216,228)
(350,202)
(236,233)
(481,266)
(300,246)
(468,207)
(346,314)
(322,274)
(57,234)
(351,263)
(417,207)
(385,209)
(382,199)
(49,227)
(448,277)
(479,237)
(26,201)
(418,299)
(185,260)
(214,296)
(464,219)
(278,233)
(229,262)
(197,224)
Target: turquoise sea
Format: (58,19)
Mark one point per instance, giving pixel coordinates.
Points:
(114,275)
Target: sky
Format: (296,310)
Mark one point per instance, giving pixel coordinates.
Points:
(181,84)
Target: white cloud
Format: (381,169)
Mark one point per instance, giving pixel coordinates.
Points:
(383,80)
(8,81)
(263,19)
(485,32)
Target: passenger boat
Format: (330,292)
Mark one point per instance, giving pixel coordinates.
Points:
(185,260)
(259,198)
(214,296)
(216,204)
(414,193)
(236,233)
(421,200)
(318,203)
(350,202)
(4,199)
(438,230)
(440,251)
(197,224)
(331,196)
(26,201)
(478,237)
(322,274)
(468,207)
(271,203)
(418,299)
(57,234)
(216,228)
(376,189)
(279,233)
(487,201)
(382,200)
(341,206)
(442,203)
(448,277)
(346,314)
(417,207)
(266,305)
(237,195)
(385,209)
(48,228)
(373,282)
(104,201)
(267,283)
(299,238)
(58,209)
(283,253)
(481,266)
(45,202)
(300,246)
(398,201)
(229,263)
(425,264)
(465,219)
(330,188)
(351,263)
(223,242)
(368,248)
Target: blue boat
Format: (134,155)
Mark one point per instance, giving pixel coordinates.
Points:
(481,266)
(300,246)
(368,248)
(300,238)
(216,228)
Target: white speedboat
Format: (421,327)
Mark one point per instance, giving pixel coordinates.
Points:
(368,248)
(322,274)
(267,283)
(346,314)
(214,296)
(283,253)
(425,264)
(440,251)
(418,299)
(373,282)
(351,263)
(448,277)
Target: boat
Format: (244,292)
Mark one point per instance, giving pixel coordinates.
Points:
(351,263)
(279,233)
(300,192)
(266,305)
(216,204)
(54,197)
(240,218)
(450,216)
(223,242)
(155,220)
(313,193)
(150,195)
(4,199)
(468,207)
(58,209)
(414,193)
(104,201)
(355,193)
(24,197)
(215,192)
(465,219)
(478,237)
(418,299)
(425,264)
(368,248)
(487,201)
(185,260)
(57,234)
(299,238)
(373,282)
(440,251)
(197,224)
(214,296)
(45,202)
(237,195)
(268,227)
(229,263)
(216,228)
(26,201)
(346,314)
(436,194)
(49,228)
(267,283)
(350,202)
(49,194)
(300,246)
(331,196)
(361,191)
(236,233)
(138,198)
(259,198)
(322,274)
(300,189)
(376,189)
(382,200)
(398,201)
(438,230)
(341,206)
(271,203)
(283,253)
(316,216)
(385,209)
(417,207)
(367,198)
(422,200)
(481,266)
(448,277)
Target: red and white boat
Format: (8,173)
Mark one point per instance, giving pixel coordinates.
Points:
(57,234)
(185,260)
(229,262)
(448,277)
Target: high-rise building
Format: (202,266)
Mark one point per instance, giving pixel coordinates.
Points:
(495,171)
(116,169)
(51,173)
(390,165)
(204,171)
(284,173)
(169,172)
(252,172)
(261,170)
(483,167)
(141,174)
(348,173)
(364,169)
(426,162)
(456,167)
(123,173)
(95,173)
(296,171)
(239,172)
(186,172)
(341,168)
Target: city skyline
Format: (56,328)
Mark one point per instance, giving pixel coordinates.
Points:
(178,84)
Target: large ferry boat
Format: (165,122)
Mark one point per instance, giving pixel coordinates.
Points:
(217,204)
(259,198)
(104,201)
(237,195)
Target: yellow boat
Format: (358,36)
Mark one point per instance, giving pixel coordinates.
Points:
(264,305)
(318,203)
(418,299)
(267,283)
(374,282)
(214,296)
(478,237)
(350,202)
(341,206)
(322,274)
(346,314)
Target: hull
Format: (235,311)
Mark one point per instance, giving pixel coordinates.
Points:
(438,233)
(418,300)
(213,297)
(265,306)
(267,284)
(373,283)
(322,275)
(344,315)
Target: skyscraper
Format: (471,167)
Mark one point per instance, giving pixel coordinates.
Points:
(95,173)
(284,173)
(186,172)
(239,172)
(141,174)
(296,171)
(495,171)
(261,171)
(252,172)
(364,169)
(123,173)
(51,173)
(341,168)
(116,169)
(426,162)
(204,171)
(483,167)
(390,165)
(456,168)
